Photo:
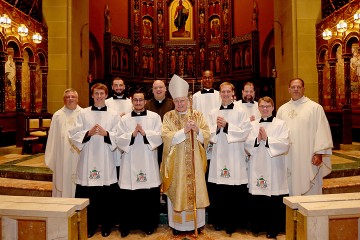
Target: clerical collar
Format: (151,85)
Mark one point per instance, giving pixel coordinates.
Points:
(116,97)
(138,114)
(204,91)
(268,119)
(230,106)
(159,101)
(243,101)
(93,108)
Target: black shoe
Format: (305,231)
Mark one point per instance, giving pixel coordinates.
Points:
(148,231)
(105,232)
(124,233)
(198,230)
(271,235)
(176,232)
(230,230)
(91,233)
(218,227)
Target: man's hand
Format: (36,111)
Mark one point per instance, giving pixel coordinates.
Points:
(220,122)
(97,130)
(317,159)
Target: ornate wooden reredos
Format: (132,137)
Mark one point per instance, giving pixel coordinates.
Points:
(184,38)
(338,60)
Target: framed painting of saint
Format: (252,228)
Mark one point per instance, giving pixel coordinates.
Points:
(181,20)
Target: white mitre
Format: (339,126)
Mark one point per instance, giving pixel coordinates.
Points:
(178,87)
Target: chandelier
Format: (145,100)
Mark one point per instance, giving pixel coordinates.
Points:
(23,30)
(327,34)
(341,26)
(5,21)
(37,38)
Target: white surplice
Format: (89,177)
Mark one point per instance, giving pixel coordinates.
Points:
(267,168)
(96,166)
(120,106)
(251,108)
(228,160)
(204,103)
(139,166)
(309,134)
(60,156)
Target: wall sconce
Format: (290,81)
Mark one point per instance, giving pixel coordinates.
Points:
(357,16)
(5,21)
(327,34)
(341,26)
(23,30)
(37,38)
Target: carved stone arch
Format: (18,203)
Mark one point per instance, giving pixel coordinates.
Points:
(42,57)
(31,51)
(267,55)
(95,57)
(321,54)
(349,41)
(2,42)
(333,48)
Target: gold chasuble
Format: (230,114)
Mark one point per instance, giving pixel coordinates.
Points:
(177,168)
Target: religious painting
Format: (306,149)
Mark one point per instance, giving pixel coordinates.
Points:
(124,60)
(355,75)
(10,81)
(181,20)
(115,59)
(147,30)
(215,30)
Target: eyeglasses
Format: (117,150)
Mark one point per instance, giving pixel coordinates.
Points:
(265,106)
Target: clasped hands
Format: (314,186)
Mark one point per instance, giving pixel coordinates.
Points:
(221,122)
(191,125)
(262,134)
(97,130)
(138,129)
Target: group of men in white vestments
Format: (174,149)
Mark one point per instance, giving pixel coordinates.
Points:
(232,156)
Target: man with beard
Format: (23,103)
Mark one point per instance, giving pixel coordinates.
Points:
(139,137)
(248,102)
(122,105)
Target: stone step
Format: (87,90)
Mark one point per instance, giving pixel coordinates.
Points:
(21,187)
(341,185)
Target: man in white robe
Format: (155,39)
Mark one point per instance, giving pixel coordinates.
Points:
(248,102)
(185,134)
(267,144)
(120,104)
(60,156)
(139,137)
(311,142)
(94,135)
(229,127)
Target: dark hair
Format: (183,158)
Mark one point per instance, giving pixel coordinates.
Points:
(302,81)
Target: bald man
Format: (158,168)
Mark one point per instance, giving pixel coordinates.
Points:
(159,103)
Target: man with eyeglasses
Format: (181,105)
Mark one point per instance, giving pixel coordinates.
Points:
(267,144)
(311,142)
(139,136)
(60,156)
(248,101)
(94,135)
(228,178)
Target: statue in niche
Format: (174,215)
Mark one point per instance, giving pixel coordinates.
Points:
(202,58)
(10,72)
(147,31)
(124,60)
(215,30)
(136,17)
(180,17)
(217,63)
(247,57)
(172,62)
(107,18)
(145,65)
(237,58)
(161,61)
(181,63)
(211,59)
(226,52)
(151,64)
(226,17)
(190,63)
(255,16)
(115,59)
(160,23)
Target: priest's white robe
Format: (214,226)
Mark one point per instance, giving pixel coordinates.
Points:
(309,134)
(252,109)
(96,165)
(139,167)
(60,156)
(119,105)
(267,168)
(228,160)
